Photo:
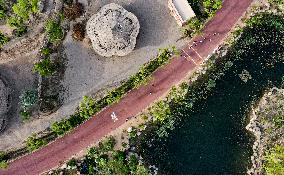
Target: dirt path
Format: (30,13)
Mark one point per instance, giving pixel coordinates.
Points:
(135,101)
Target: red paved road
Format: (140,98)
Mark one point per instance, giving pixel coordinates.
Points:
(135,101)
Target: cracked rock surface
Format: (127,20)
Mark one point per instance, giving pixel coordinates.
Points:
(113,31)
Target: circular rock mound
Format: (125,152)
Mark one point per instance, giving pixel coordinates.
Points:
(113,31)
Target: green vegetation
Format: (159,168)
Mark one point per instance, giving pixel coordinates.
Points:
(193,27)
(27,100)
(3,9)
(277,2)
(22,11)
(3,39)
(3,161)
(33,143)
(203,10)
(274,161)
(104,159)
(46,51)
(45,68)
(54,31)
(23,8)
(89,107)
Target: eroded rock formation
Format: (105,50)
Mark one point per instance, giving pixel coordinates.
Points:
(113,31)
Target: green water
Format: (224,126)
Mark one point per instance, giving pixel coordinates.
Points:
(212,139)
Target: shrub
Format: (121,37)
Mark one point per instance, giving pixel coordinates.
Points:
(73,11)
(211,6)
(61,127)
(33,143)
(274,161)
(28,98)
(46,51)
(18,25)
(54,31)
(45,67)
(193,27)
(72,162)
(25,114)
(78,31)
(3,39)
(15,21)
(3,9)
(277,2)
(3,164)
(23,8)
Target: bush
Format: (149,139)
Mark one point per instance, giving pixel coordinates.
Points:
(73,11)
(28,98)
(23,8)
(25,114)
(18,25)
(277,2)
(78,31)
(34,143)
(211,6)
(3,164)
(203,10)
(54,31)
(193,27)
(3,160)
(3,9)
(274,161)
(45,67)
(61,127)
(3,39)
(46,51)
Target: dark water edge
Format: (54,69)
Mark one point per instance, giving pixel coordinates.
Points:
(213,140)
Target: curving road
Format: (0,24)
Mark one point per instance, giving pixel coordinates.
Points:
(135,101)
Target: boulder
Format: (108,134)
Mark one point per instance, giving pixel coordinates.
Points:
(113,31)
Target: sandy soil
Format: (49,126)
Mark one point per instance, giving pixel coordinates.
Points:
(86,72)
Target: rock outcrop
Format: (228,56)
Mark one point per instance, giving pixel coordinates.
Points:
(113,31)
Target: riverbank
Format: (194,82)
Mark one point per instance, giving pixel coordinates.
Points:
(267,123)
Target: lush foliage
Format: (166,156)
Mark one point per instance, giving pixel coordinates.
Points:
(3,161)
(54,31)
(104,159)
(33,143)
(23,8)
(274,161)
(3,39)
(27,100)
(3,9)
(89,107)
(203,11)
(45,68)
(193,26)
(17,24)
(277,2)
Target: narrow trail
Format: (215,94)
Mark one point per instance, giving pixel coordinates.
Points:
(136,100)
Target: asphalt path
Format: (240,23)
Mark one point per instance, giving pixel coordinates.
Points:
(91,131)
